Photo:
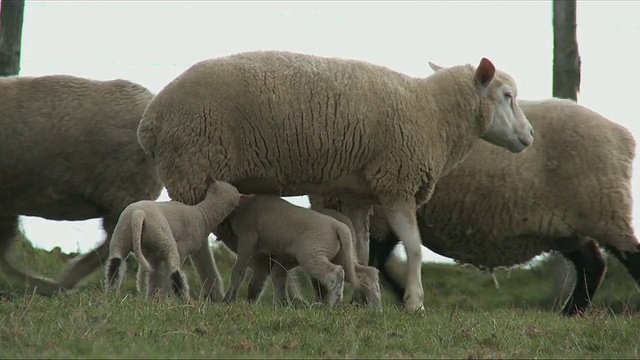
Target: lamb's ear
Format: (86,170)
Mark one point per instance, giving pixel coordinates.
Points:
(245,198)
(485,72)
(435,67)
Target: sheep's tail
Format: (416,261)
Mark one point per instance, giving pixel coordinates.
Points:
(347,255)
(137,221)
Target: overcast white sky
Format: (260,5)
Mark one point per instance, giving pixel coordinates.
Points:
(151,42)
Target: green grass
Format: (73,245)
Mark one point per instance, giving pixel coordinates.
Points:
(466,317)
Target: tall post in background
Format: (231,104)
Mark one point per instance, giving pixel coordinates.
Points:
(11,16)
(566,59)
(566,84)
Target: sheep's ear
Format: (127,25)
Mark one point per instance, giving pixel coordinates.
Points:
(245,198)
(435,67)
(485,72)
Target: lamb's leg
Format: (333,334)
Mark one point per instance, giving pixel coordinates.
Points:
(142,281)
(9,231)
(359,216)
(116,267)
(319,291)
(330,275)
(370,283)
(260,272)
(590,268)
(246,250)
(293,293)
(84,265)
(279,278)
(631,261)
(402,219)
(172,260)
(158,278)
(205,265)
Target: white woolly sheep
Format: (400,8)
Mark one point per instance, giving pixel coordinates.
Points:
(292,124)
(271,234)
(571,187)
(167,232)
(70,152)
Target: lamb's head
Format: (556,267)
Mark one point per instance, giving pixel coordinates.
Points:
(225,198)
(509,127)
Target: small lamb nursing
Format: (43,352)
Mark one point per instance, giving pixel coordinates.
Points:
(167,232)
(271,230)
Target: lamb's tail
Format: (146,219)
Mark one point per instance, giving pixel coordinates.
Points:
(347,255)
(137,221)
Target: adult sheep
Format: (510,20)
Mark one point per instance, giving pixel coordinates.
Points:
(573,186)
(292,124)
(70,152)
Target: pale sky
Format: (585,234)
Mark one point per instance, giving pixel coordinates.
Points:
(151,42)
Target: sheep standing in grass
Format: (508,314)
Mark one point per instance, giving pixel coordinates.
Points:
(70,152)
(167,232)
(292,124)
(270,233)
(571,187)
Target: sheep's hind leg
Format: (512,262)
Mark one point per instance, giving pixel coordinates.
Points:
(359,216)
(590,268)
(402,219)
(380,252)
(84,265)
(9,231)
(631,261)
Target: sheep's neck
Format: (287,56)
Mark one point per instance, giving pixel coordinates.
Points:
(456,123)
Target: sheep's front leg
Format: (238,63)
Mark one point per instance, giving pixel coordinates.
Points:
(205,266)
(359,215)
(402,219)
(246,246)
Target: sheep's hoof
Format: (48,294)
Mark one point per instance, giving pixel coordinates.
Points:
(413,304)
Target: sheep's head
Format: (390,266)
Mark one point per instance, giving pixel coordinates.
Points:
(509,127)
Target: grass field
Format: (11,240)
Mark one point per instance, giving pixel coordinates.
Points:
(465,317)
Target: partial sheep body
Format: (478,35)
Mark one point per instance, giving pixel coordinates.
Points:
(270,234)
(291,124)
(571,187)
(70,152)
(167,232)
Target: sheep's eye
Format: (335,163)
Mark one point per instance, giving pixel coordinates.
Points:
(508,96)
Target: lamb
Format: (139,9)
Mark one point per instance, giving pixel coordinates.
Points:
(573,186)
(270,233)
(291,124)
(70,152)
(167,232)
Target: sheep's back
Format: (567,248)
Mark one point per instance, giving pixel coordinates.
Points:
(285,119)
(69,146)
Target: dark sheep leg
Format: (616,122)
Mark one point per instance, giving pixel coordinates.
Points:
(9,231)
(631,261)
(590,268)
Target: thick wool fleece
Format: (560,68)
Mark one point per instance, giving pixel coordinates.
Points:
(573,183)
(292,124)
